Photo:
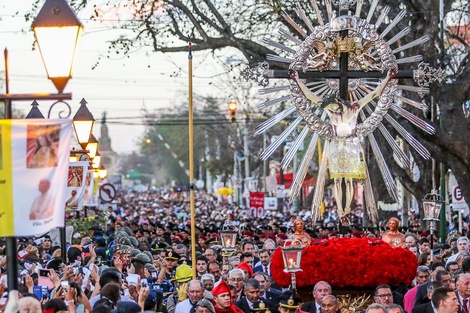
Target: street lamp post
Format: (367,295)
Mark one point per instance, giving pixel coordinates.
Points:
(228,238)
(432,203)
(53,19)
(292,255)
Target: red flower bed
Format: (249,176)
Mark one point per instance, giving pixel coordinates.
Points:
(349,262)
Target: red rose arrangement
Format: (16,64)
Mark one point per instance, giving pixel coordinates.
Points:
(349,262)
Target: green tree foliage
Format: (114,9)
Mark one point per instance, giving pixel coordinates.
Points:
(212,135)
(137,167)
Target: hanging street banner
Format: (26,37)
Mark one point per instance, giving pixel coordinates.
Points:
(76,185)
(34,160)
(256,204)
(89,199)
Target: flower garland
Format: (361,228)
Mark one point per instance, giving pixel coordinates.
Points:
(349,262)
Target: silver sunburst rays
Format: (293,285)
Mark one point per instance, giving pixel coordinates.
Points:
(350,58)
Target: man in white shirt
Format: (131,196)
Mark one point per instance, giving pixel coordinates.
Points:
(43,205)
(462,246)
(195,292)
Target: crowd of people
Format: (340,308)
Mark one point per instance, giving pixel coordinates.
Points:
(140,260)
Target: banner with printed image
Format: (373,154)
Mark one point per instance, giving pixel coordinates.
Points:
(76,185)
(89,199)
(34,159)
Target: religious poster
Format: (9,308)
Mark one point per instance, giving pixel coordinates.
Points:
(88,198)
(256,204)
(76,185)
(34,157)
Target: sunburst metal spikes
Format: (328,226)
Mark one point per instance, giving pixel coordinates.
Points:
(296,26)
(402,33)
(412,59)
(370,199)
(394,23)
(373,6)
(268,103)
(384,170)
(415,144)
(389,138)
(359,7)
(412,44)
(261,128)
(329,9)
(412,141)
(317,11)
(304,18)
(289,36)
(382,16)
(276,58)
(414,120)
(304,166)
(293,149)
(416,104)
(280,139)
(278,45)
(263,91)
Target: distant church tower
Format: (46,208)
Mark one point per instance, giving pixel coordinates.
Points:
(108,156)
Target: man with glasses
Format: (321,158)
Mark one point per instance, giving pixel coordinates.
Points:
(383,295)
(271,295)
(236,278)
(445,300)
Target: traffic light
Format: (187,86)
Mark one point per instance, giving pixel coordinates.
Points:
(232,111)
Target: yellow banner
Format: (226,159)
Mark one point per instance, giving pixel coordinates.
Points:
(6,179)
(34,161)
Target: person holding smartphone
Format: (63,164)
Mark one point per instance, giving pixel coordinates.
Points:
(74,295)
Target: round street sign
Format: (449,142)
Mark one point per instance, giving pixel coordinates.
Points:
(107,193)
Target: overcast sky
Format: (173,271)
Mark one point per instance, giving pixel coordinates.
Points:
(120,86)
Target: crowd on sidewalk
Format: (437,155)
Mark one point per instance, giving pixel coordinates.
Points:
(139,260)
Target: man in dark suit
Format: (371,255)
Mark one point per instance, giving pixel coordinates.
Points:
(273,294)
(428,306)
(252,295)
(445,300)
(265,262)
(422,291)
(462,286)
(321,289)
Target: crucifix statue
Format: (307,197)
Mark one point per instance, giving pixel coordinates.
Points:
(343,81)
